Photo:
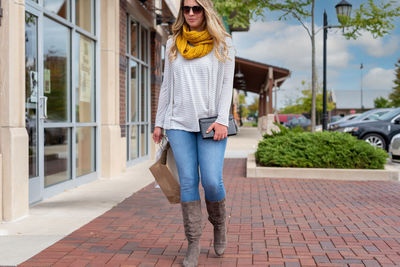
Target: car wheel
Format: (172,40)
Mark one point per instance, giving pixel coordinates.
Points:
(375,140)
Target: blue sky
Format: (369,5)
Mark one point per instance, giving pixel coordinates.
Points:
(286,44)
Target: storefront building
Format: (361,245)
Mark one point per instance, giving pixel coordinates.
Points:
(79,80)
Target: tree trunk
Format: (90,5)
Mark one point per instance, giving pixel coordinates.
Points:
(313,71)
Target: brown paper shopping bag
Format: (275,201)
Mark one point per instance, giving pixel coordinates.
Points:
(165,172)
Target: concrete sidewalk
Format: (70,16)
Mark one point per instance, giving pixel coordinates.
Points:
(57,217)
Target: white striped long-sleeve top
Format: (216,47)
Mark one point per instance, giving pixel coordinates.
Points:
(195,89)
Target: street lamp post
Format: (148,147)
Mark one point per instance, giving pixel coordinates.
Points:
(361,86)
(342,9)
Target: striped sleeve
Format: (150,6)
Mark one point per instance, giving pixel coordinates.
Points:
(164,97)
(227,86)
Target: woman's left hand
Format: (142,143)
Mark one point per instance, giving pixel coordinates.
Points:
(220,131)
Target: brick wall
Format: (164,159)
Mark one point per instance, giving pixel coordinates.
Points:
(122,65)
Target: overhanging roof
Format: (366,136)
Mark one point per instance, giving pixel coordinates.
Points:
(255,74)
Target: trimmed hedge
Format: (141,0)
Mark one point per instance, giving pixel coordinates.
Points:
(318,150)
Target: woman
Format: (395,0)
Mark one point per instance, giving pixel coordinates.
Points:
(198,82)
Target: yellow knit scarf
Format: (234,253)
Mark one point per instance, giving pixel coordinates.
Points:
(192,44)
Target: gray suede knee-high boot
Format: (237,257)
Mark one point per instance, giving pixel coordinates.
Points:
(217,217)
(191,212)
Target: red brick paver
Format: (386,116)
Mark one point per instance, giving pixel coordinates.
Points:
(272,222)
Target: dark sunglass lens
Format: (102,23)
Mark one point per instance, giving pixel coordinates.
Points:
(197,9)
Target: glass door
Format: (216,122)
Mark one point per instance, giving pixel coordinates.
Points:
(61,83)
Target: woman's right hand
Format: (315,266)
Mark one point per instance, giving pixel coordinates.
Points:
(157,135)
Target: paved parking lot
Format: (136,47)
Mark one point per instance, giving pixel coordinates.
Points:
(275,222)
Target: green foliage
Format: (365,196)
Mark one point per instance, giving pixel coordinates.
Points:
(242,99)
(253,107)
(303,103)
(381,102)
(283,131)
(395,94)
(372,17)
(319,150)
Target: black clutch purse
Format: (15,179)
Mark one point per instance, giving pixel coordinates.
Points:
(205,123)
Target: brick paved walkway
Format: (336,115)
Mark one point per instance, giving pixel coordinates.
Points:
(272,222)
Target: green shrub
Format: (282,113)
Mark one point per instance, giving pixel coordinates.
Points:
(319,150)
(283,131)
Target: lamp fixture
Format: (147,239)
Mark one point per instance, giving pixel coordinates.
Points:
(239,75)
(343,9)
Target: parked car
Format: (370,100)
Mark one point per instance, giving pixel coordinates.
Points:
(335,118)
(394,148)
(378,133)
(369,115)
(342,119)
(285,118)
(302,121)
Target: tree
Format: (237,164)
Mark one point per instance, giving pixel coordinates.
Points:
(376,19)
(253,107)
(381,102)
(304,102)
(395,94)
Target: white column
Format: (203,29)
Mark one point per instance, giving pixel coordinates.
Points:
(13,136)
(109,83)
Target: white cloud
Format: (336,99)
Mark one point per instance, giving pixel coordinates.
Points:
(378,47)
(378,78)
(289,46)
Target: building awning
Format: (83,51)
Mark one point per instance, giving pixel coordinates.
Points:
(255,74)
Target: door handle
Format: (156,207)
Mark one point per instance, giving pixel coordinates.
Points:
(43,106)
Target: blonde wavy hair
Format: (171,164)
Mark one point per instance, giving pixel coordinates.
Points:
(214,26)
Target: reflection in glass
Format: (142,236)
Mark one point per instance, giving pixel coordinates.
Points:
(134,91)
(85,150)
(143,140)
(143,93)
(133,34)
(84,14)
(56,74)
(59,7)
(31,90)
(134,142)
(144,45)
(56,156)
(85,103)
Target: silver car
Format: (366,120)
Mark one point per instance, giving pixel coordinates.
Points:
(394,148)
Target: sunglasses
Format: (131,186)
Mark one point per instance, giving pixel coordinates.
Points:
(195,9)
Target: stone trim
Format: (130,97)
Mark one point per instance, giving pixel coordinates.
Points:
(255,171)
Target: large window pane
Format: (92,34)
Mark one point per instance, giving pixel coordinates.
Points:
(133,38)
(85,84)
(144,45)
(59,7)
(56,70)
(134,91)
(56,155)
(143,93)
(85,150)
(31,90)
(134,142)
(84,14)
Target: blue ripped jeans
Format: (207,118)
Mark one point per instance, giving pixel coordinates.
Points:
(191,151)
